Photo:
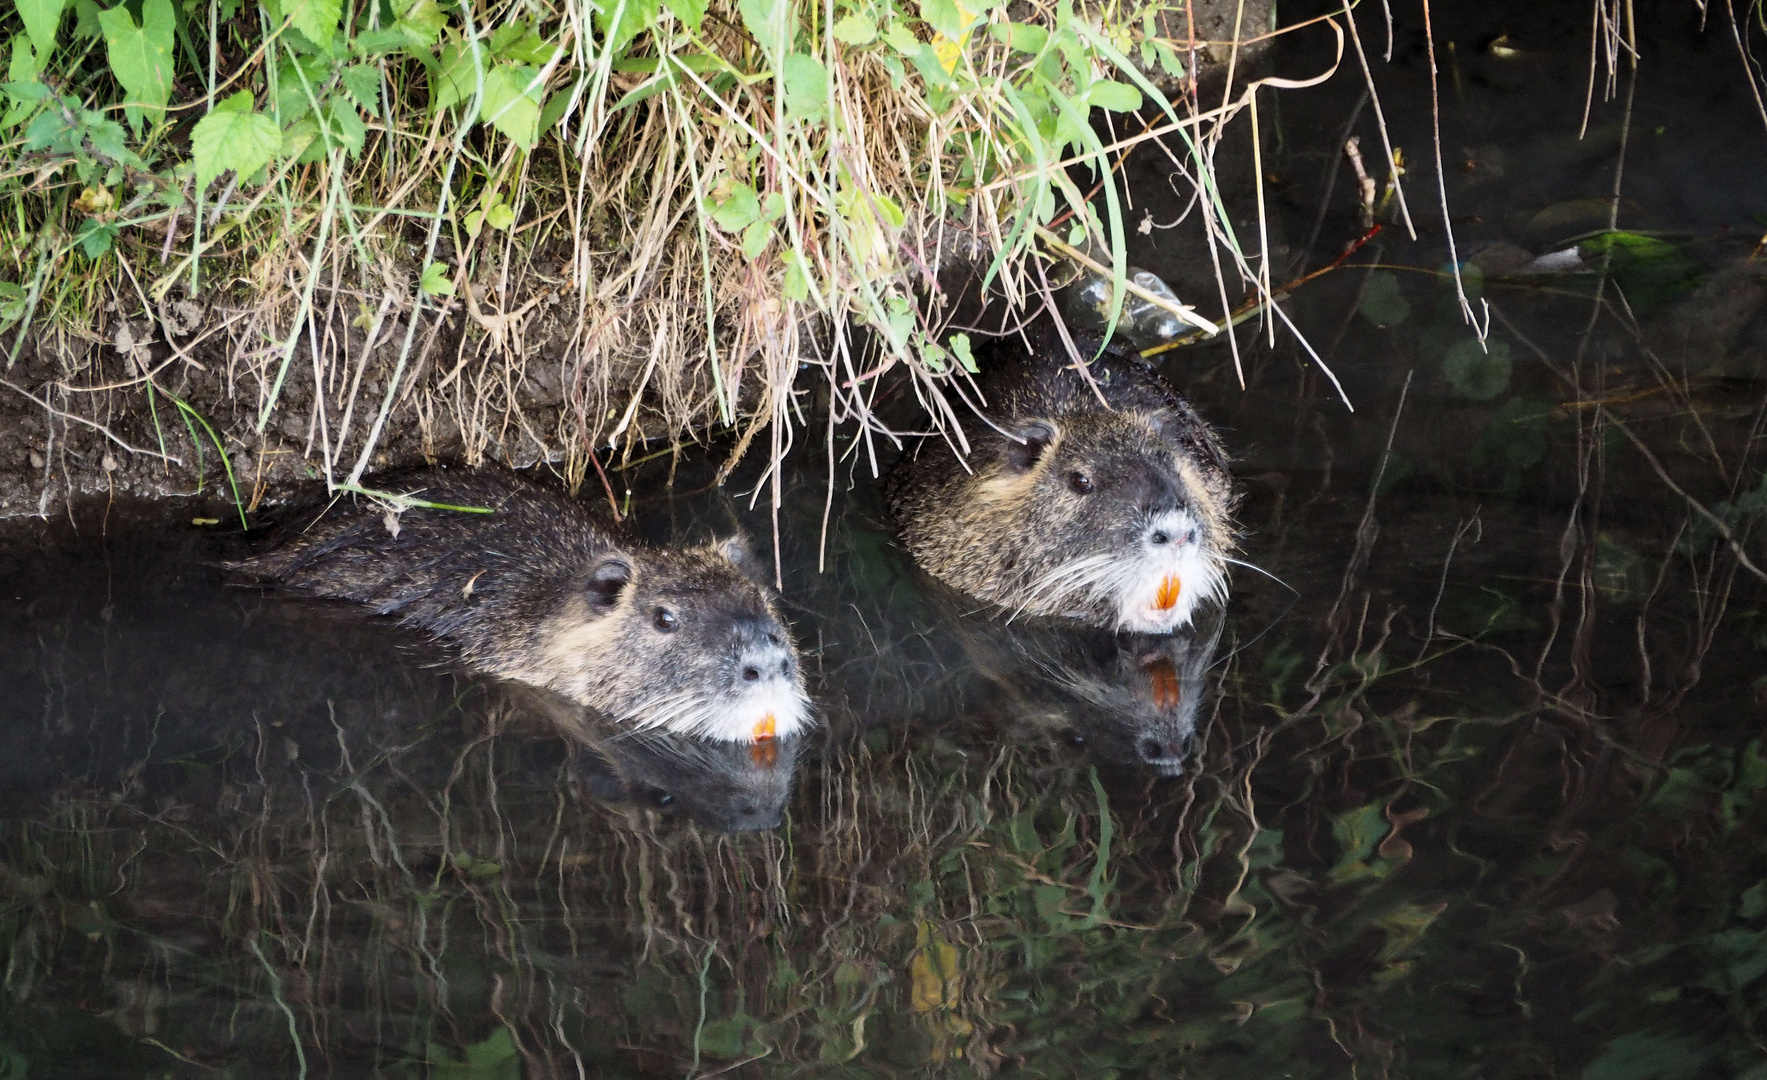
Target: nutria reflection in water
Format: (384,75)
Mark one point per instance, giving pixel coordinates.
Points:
(1100,497)
(732,787)
(1126,699)
(534,589)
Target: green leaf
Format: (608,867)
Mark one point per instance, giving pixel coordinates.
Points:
(141,55)
(554,111)
(230,139)
(23,90)
(13,302)
(96,238)
(855,29)
(806,86)
(86,25)
(500,216)
(769,21)
(946,17)
(296,80)
(456,79)
(797,284)
(1169,62)
(50,131)
(436,280)
(901,39)
(362,83)
(1383,303)
(240,102)
(1020,37)
(41,17)
(691,13)
(1477,372)
(1114,96)
(506,35)
(298,138)
(736,212)
(387,39)
(315,19)
(346,127)
(1648,270)
(960,348)
(755,239)
(425,17)
(509,106)
(531,48)
(636,16)
(106,137)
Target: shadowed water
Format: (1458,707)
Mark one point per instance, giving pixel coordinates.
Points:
(1468,781)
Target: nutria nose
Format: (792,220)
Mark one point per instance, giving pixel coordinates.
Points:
(1164,755)
(1160,539)
(750,674)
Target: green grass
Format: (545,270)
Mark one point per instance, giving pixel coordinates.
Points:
(687,199)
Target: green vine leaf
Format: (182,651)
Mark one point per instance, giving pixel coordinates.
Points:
(232,137)
(141,56)
(41,18)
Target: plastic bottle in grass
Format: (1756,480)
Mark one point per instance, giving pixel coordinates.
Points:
(1142,322)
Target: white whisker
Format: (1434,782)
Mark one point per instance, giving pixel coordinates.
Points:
(1260,570)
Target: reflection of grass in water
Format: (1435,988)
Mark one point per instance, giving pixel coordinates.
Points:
(1407,882)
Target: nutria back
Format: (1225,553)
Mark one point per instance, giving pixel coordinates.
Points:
(1105,499)
(529,585)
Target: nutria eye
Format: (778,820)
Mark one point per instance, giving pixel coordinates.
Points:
(665,620)
(1080,482)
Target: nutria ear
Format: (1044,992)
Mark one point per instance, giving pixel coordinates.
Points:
(1025,443)
(737,549)
(608,578)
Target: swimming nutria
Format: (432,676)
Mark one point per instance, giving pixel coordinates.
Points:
(1118,516)
(538,592)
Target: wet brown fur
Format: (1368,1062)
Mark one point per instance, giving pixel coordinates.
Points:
(537,591)
(993,529)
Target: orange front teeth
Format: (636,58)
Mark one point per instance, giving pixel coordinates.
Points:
(1167,598)
(764,752)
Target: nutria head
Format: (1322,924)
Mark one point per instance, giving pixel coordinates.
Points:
(682,639)
(1099,516)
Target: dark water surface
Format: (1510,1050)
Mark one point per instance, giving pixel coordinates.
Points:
(1476,789)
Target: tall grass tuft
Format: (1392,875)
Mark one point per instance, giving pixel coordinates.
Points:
(385,216)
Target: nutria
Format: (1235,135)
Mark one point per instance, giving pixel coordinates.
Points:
(1119,516)
(537,591)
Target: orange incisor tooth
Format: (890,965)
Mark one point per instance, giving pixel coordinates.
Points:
(1168,692)
(765,752)
(1167,598)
